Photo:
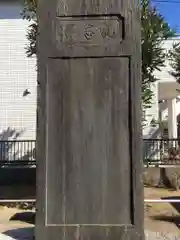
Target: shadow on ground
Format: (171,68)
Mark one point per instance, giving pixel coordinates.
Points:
(27,217)
(171,219)
(21,233)
(176,205)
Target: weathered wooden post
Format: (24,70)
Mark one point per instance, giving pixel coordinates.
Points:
(88,142)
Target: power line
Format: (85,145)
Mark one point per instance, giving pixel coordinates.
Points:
(166,1)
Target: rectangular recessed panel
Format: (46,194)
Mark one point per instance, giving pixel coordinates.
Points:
(89,31)
(88,146)
(88,35)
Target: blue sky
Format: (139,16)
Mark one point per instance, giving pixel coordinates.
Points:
(171,11)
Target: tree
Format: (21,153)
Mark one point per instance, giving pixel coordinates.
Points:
(29,13)
(155,31)
(174,57)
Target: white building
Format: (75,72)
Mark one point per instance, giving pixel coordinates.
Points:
(166,102)
(17,75)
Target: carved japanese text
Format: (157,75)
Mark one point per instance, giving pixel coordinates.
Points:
(88,31)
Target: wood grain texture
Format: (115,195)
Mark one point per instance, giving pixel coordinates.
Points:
(89,162)
(87,7)
(93,233)
(51,17)
(88,150)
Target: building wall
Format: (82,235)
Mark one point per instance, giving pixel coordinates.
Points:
(163,76)
(17,73)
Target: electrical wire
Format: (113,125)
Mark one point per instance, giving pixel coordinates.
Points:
(166,1)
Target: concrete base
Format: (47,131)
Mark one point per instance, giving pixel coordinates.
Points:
(151,175)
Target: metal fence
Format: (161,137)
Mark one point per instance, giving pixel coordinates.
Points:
(15,152)
(155,152)
(161,151)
